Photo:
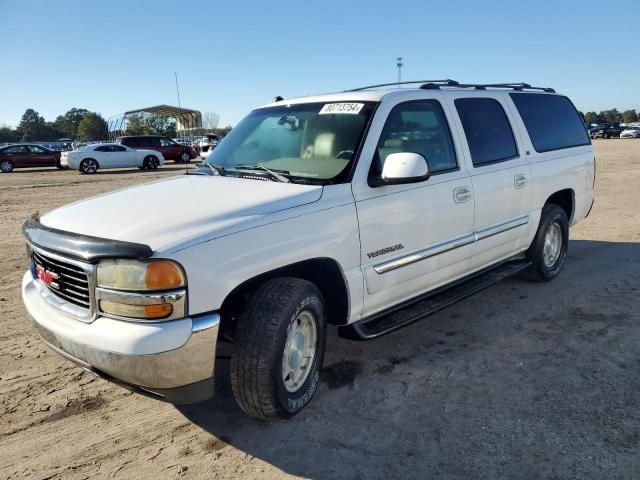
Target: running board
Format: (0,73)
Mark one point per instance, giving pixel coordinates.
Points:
(428,304)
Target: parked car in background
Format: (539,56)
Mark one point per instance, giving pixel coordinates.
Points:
(207,144)
(630,132)
(110,155)
(27,155)
(170,149)
(606,130)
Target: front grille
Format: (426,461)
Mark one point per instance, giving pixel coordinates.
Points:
(72,281)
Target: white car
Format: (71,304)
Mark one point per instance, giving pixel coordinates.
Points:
(207,145)
(90,158)
(630,132)
(366,209)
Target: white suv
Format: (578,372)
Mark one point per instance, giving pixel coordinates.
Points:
(366,209)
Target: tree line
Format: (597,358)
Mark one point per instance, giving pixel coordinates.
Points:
(611,116)
(82,125)
(77,124)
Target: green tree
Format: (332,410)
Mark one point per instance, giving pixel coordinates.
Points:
(68,123)
(590,117)
(611,116)
(629,116)
(32,126)
(92,127)
(135,124)
(8,134)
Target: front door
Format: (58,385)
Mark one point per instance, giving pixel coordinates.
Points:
(500,175)
(414,237)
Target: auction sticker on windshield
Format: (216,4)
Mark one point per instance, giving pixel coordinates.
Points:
(331,108)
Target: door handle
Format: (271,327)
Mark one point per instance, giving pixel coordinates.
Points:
(519,180)
(461,194)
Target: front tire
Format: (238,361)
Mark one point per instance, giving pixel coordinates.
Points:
(185,157)
(279,349)
(6,166)
(548,251)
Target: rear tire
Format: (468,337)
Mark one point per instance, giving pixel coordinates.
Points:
(88,166)
(279,349)
(150,162)
(6,166)
(548,251)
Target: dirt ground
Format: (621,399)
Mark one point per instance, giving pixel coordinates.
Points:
(519,381)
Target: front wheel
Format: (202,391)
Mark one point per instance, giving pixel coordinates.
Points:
(548,251)
(185,157)
(279,349)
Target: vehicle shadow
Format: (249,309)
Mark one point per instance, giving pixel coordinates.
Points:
(481,389)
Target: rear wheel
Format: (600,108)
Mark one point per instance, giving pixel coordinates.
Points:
(6,166)
(548,251)
(150,162)
(88,166)
(279,349)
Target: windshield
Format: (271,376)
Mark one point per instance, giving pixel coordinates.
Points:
(310,141)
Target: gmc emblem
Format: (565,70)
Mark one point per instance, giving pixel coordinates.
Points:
(47,277)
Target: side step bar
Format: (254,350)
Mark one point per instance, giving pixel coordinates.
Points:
(428,304)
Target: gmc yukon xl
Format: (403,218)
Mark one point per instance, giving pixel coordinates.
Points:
(366,209)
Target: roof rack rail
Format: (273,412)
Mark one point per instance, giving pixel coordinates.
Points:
(514,86)
(483,86)
(436,84)
(447,82)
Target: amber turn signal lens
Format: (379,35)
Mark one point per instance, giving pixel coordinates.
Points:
(160,310)
(163,275)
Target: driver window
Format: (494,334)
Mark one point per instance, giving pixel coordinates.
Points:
(35,149)
(165,142)
(417,127)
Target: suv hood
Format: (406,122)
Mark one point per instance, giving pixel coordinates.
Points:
(168,211)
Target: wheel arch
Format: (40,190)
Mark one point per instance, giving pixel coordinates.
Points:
(565,199)
(323,272)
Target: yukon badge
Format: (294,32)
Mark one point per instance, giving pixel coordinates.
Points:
(385,250)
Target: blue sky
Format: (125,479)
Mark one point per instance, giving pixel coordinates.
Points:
(115,55)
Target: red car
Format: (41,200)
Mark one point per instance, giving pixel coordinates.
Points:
(27,155)
(169,149)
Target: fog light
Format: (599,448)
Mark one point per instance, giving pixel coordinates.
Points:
(156,311)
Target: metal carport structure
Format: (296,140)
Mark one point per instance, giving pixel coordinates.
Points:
(187,119)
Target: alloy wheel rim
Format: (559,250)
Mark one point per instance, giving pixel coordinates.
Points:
(5,166)
(552,245)
(299,351)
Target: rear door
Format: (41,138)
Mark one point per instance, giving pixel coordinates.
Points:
(414,237)
(19,155)
(500,175)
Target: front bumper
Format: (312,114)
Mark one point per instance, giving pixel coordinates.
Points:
(171,361)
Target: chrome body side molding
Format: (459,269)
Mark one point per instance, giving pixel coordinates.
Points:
(449,245)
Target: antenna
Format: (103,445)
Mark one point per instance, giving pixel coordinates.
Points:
(186,165)
(399,64)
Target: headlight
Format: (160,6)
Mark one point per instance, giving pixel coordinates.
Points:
(141,289)
(136,275)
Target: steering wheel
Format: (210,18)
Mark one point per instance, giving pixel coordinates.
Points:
(349,152)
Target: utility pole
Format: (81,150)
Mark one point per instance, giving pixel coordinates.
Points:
(179,106)
(399,64)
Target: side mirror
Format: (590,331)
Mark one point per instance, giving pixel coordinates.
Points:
(404,167)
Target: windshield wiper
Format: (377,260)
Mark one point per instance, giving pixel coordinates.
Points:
(216,169)
(274,174)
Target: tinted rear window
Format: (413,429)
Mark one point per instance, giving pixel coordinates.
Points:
(487,129)
(551,121)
